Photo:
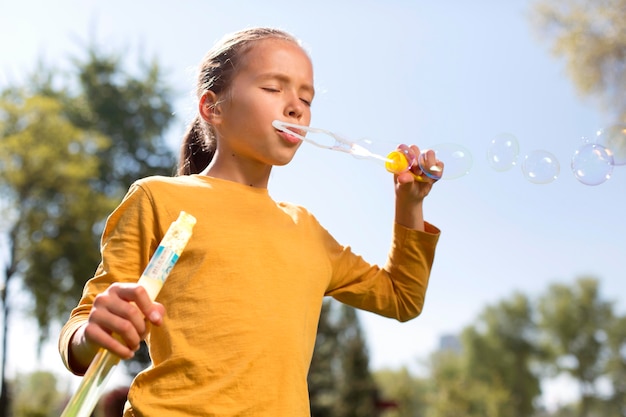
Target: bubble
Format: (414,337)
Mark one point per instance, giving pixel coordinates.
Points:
(503,152)
(592,164)
(457,160)
(614,139)
(541,167)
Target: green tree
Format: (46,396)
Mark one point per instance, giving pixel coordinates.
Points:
(322,379)
(340,382)
(575,320)
(357,390)
(69,150)
(500,350)
(616,365)
(36,395)
(455,393)
(49,207)
(408,392)
(134,111)
(591,36)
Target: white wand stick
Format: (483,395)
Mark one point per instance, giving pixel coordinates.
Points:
(94,382)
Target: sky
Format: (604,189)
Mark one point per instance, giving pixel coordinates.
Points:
(388,72)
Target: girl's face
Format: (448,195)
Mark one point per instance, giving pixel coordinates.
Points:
(274,82)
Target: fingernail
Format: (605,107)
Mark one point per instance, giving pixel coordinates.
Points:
(155,316)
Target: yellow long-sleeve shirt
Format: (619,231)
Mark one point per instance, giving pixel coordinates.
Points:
(244,299)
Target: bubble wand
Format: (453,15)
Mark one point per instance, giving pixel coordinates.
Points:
(396,162)
(152,279)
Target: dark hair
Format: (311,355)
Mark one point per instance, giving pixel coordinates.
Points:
(216,73)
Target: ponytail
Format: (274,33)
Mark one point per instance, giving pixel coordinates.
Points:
(197,149)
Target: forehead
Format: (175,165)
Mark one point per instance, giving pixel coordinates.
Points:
(277,55)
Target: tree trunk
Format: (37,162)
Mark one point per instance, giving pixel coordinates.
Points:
(4,391)
(9,271)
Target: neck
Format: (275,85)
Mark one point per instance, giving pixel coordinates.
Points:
(255,176)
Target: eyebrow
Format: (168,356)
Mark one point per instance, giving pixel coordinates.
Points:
(285,79)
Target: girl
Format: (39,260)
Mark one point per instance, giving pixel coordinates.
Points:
(233,331)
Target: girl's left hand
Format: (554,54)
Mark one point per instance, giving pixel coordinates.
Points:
(414,185)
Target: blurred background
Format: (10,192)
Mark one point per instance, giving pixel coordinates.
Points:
(526,312)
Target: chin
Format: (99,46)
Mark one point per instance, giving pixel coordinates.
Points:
(283,162)
(284,158)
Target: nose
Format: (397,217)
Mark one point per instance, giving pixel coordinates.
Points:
(295,108)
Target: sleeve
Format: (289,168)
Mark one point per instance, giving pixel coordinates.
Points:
(130,236)
(397,290)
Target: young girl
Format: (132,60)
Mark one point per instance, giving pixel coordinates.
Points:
(233,331)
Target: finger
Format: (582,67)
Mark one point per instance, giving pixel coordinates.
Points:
(112,322)
(120,303)
(139,296)
(157,314)
(415,150)
(98,336)
(429,164)
(433,163)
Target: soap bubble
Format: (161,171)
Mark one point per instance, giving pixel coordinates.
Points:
(592,164)
(541,167)
(614,139)
(457,160)
(503,152)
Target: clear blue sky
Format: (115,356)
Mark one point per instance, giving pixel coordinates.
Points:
(394,71)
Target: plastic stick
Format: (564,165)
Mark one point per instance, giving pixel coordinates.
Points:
(152,279)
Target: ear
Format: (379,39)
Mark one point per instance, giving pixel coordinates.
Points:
(209,107)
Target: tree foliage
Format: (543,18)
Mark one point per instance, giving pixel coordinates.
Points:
(69,149)
(515,345)
(36,395)
(47,169)
(406,395)
(591,37)
(67,168)
(340,382)
(616,365)
(134,111)
(576,323)
(500,350)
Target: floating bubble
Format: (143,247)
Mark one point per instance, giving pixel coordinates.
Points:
(613,139)
(541,167)
(592,164)
(503,152)
(457,160)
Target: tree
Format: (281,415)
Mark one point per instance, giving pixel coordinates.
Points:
(357,390)
(36,395)
(322,379)
(500,351)
(340,382)
(133,111)
(616,365)
(455,393)
(575,322)
(590,35)
(69,150)
(409,393)
(49,207)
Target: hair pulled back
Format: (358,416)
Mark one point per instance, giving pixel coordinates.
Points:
(217,70)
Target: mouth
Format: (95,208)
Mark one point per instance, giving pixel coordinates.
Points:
(298,132)
(288,136)
(290,133)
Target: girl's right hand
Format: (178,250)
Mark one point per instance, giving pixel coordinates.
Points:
(123,310)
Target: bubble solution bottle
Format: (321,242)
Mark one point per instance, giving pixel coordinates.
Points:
(152,279)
